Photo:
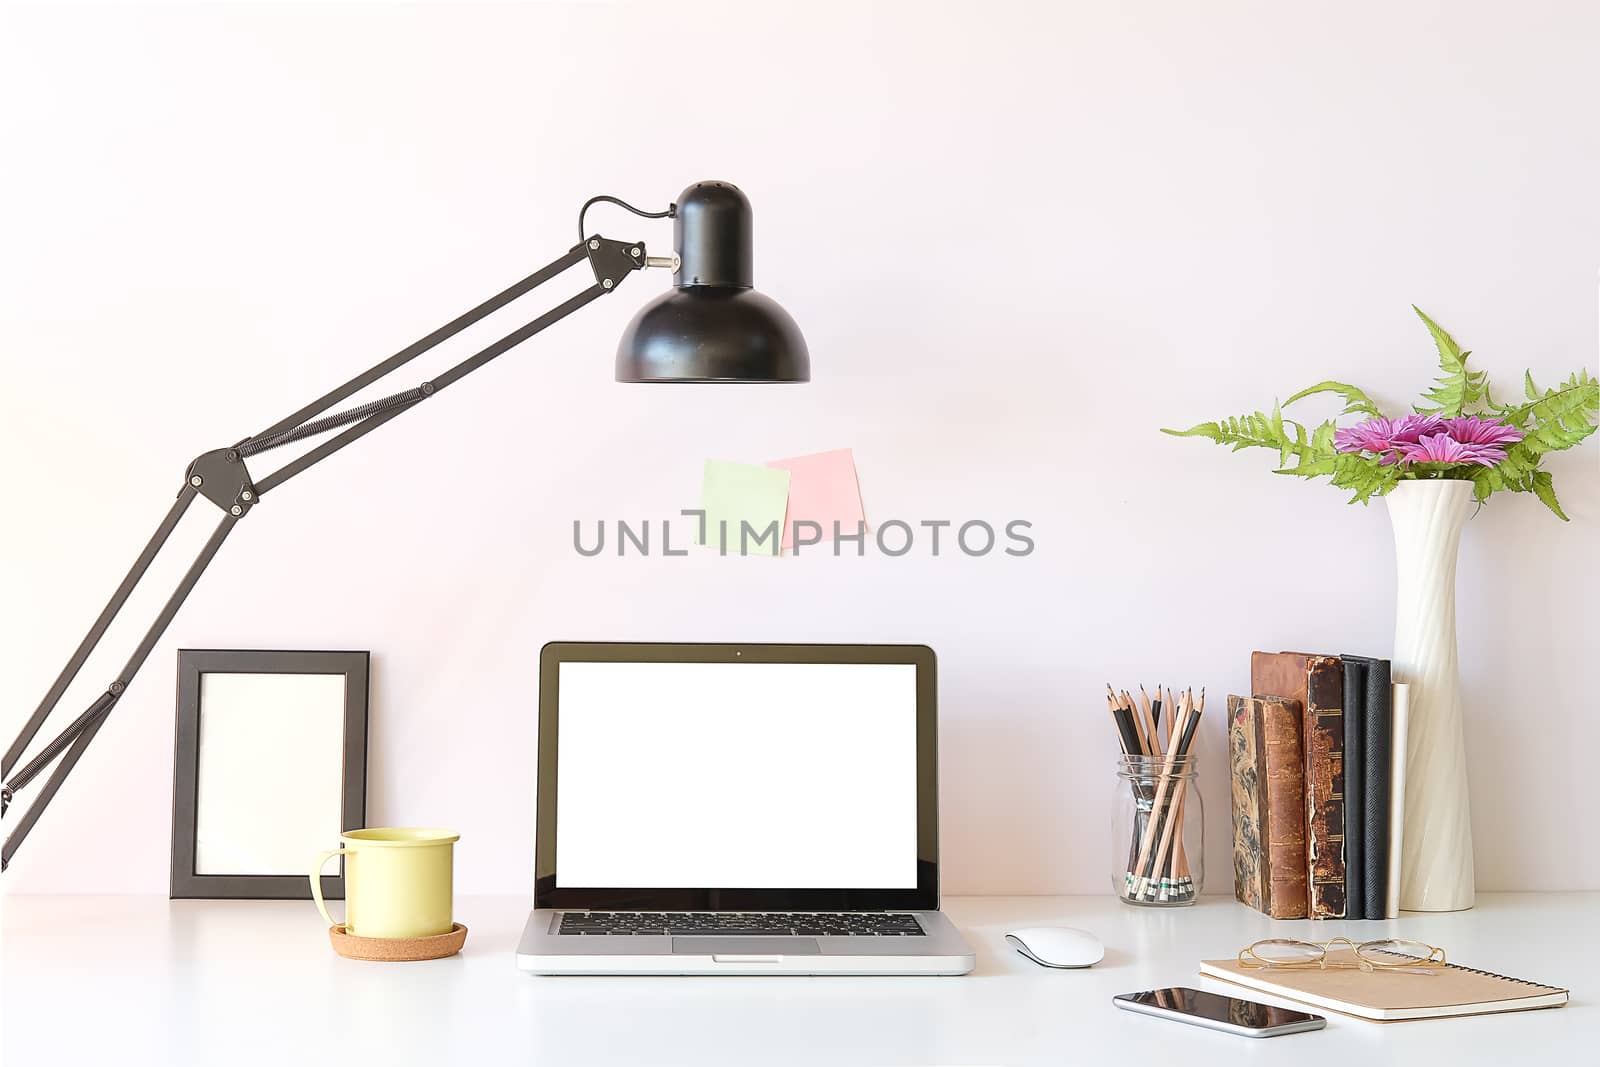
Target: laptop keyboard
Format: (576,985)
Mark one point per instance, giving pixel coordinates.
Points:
(742,924)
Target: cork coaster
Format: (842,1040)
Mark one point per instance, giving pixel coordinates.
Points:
(396,949)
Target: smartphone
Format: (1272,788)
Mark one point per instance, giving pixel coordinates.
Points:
(1228,1014)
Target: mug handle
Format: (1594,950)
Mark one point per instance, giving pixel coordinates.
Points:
(316,881)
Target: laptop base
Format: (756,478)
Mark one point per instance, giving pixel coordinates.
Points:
(940,951)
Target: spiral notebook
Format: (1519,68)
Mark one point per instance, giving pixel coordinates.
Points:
(1452,990)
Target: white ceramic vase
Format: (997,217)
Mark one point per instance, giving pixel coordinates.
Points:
(1436,860)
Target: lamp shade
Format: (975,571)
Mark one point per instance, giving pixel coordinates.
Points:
(713,326)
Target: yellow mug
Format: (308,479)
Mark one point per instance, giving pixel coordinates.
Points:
(397,882)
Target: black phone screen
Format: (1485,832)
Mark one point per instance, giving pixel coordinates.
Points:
(1203,1005)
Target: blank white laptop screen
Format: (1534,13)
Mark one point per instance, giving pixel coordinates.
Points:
(737,775)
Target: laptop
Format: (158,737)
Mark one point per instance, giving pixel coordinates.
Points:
(738,809)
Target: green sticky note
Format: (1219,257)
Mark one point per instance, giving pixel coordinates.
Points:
(744,507)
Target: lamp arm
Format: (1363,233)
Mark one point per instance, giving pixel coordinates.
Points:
(222,477)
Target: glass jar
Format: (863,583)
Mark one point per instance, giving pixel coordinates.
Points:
(1157,832)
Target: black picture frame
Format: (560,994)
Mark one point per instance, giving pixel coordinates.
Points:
(186,883)
(549,894)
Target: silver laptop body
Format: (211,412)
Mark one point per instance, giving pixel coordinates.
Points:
(738,809)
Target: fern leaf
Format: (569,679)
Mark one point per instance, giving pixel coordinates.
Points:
(1253,430)
(1553,421)
(1456,388)
(1209,430)
(1544,488)
(1322,438)
(1310,468)
(1363,475)
(1356,402)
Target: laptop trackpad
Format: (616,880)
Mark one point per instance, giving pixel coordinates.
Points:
(745,946)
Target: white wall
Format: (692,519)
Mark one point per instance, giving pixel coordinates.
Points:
(1019,238)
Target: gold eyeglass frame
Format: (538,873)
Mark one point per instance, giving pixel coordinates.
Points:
(1424,965)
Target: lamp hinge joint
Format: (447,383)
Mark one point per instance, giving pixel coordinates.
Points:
(220,476)
(613,261)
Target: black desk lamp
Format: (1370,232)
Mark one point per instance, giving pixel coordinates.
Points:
(712,327)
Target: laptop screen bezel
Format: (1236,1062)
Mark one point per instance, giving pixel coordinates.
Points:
(548,894)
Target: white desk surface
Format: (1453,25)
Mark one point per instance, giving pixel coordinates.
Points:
(141,980)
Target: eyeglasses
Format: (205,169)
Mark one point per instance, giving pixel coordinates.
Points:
(1392,954)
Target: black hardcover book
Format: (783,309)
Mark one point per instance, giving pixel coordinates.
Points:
(1355,781)
(1377,763)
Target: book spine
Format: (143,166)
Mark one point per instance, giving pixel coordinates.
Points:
(1249,883)
(1377,767)
(1399,730)
(1283,794)
(1353,715)
(1324,788)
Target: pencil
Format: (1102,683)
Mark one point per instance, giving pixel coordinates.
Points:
(1155,709)
(1151,721)
(1138,722)
(1186,751)
(1148,850)
(1160,830)
(1175,780)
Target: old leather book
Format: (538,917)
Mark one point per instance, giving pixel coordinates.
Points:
(1247,796)
(1285,675)
(1278,740)
(1324,750)
(1288,675)
(1279,674)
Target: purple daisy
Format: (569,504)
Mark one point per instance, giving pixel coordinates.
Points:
(1374,435)
(1481,430)
(1470,439)
(1442,448)
(1386,437)
(1409,430)
(1371,436)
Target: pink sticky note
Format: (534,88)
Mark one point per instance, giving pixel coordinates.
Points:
(822,489)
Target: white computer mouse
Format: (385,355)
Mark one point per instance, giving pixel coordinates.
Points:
(1058,946)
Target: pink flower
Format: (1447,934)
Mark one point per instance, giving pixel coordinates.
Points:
(1374,435)
(1409,430)
(1473,439)
(1481,430)
(1442,448)
(1386,437)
